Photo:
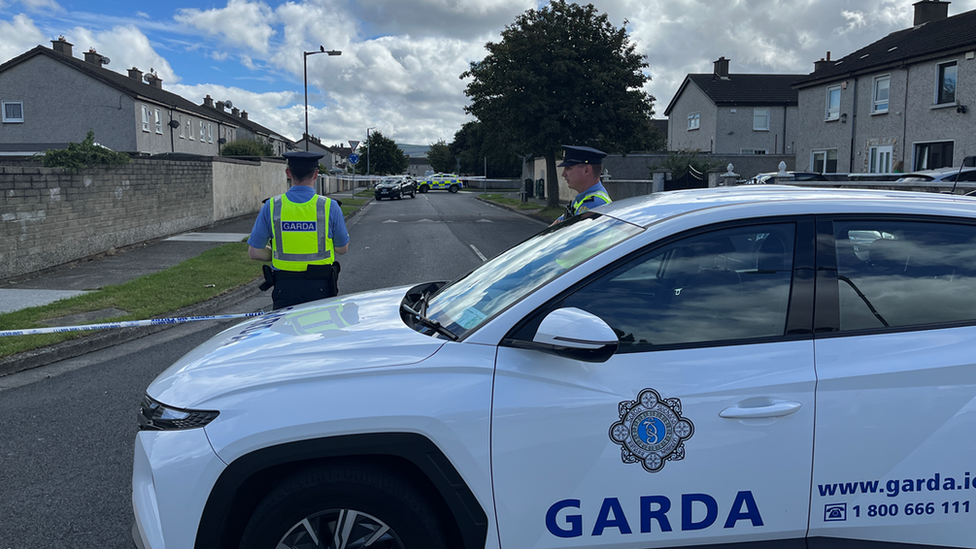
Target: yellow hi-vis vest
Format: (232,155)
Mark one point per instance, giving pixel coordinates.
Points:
(300,233)
(598,194)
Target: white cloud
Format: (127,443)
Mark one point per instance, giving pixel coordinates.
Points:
(19,35)
(41,5)
(241,23)
(127,47)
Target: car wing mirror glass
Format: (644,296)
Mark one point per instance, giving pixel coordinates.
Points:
(574,333)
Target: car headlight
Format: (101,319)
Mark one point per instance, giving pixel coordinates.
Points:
(156,416)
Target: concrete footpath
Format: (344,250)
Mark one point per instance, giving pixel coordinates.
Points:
(121,266)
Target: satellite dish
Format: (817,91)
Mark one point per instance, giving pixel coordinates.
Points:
(104,60)
(229,104)
(148,78)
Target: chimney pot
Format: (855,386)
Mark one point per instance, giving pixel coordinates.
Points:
(135,73)
(93,57)
(208,101)
(235,111)
(244,115)
(930,10)
(62,46)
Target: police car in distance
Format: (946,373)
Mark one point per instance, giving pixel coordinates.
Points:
(395,187)
(441,181)
(756,365)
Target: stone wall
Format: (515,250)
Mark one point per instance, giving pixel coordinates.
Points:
(49,217)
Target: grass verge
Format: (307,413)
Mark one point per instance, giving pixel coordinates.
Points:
(529,207)
(350,205)
(198,279)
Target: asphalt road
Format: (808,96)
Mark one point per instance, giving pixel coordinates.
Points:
(67,429)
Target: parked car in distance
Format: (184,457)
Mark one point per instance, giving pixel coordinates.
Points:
(776,177)
(395,187)
(758,366)
(941,174)
(441,181)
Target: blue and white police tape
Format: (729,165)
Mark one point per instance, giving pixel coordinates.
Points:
(125,324)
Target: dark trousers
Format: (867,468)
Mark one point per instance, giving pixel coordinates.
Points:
(320,282)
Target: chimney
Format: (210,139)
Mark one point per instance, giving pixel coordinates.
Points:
(244,115)
(220,106)
(62,46)
(153,80)
(235,111)
(823,63)
(930,10)
(93,57)
(135,74)
(722,68)
(208,101)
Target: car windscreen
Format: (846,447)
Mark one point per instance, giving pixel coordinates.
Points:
(468,302)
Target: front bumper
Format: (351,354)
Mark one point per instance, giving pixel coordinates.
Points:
(172,475)
(391,193)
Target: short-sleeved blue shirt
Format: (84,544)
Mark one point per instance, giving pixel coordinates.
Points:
(589,199)
(261,233)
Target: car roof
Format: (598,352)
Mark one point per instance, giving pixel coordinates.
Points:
(776,200)
(938,172)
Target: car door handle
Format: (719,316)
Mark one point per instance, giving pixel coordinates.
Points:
(760,408)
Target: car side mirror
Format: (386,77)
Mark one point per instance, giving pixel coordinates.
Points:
(574,333)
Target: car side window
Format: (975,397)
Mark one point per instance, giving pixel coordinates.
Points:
(730,284)
(894,274)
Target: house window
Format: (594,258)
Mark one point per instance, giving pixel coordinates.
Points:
(824,161)
(881,87)
(159,121)
(145,118)
(203,132)
(189,129)
(694,121)
(946,91)
(753,151)
(209,133)
(929,156)
(13,112)
(181,128)
(880,159)
(833,103)
(760,119)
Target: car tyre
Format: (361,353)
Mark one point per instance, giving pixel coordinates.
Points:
(424,188)
(453,188)
(358,506)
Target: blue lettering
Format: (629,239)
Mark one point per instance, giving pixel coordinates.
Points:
(575,521)
(659,514)
(751,513)
(687,519)
(604,521)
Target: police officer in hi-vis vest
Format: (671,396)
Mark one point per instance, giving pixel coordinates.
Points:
(306,232)
(581,170)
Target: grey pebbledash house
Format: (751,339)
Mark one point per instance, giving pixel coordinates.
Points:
(727,113)
(902,103)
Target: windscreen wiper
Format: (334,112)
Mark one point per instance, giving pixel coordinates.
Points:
(432,324)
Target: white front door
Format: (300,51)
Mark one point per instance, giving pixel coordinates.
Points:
(699,430)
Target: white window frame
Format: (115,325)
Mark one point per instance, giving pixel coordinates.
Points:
(880,158)
(939,77)
(753,151)
(145,118)
(762,112)
(181,127)
(189,128)
(209,133)
(12,119)
(159,122)
(832,114)
(203,132)
(879,106)
(694,121)
(826,153)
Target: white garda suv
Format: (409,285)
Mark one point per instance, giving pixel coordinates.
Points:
(760,365)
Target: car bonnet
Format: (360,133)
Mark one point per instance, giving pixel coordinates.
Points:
(348,334)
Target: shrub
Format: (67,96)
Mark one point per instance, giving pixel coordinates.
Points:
(247,147)
(83,155)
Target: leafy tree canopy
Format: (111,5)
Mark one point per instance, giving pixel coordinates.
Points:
(562,74)
(83,155)
(476,149)
(440,158)
(384,157)
(248,147)
(679,162)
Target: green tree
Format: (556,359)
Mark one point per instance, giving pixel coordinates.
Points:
(384,156)
(247,147)
(83,155)
(440,158)
(562,74)
(475,148)
(679,162)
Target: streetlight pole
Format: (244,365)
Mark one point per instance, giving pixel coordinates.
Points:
(305,55)
(368,143)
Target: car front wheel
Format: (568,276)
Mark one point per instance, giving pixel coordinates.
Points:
(344,506)
(424,188)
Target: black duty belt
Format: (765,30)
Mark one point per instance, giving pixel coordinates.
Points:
(314,272)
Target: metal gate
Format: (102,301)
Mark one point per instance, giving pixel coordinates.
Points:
(693,179)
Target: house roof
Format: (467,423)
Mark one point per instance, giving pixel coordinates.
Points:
(928,40)
(131,86)
(742,89)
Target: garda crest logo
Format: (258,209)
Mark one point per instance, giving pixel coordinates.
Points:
(651,430)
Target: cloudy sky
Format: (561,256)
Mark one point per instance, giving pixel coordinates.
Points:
(401,59)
